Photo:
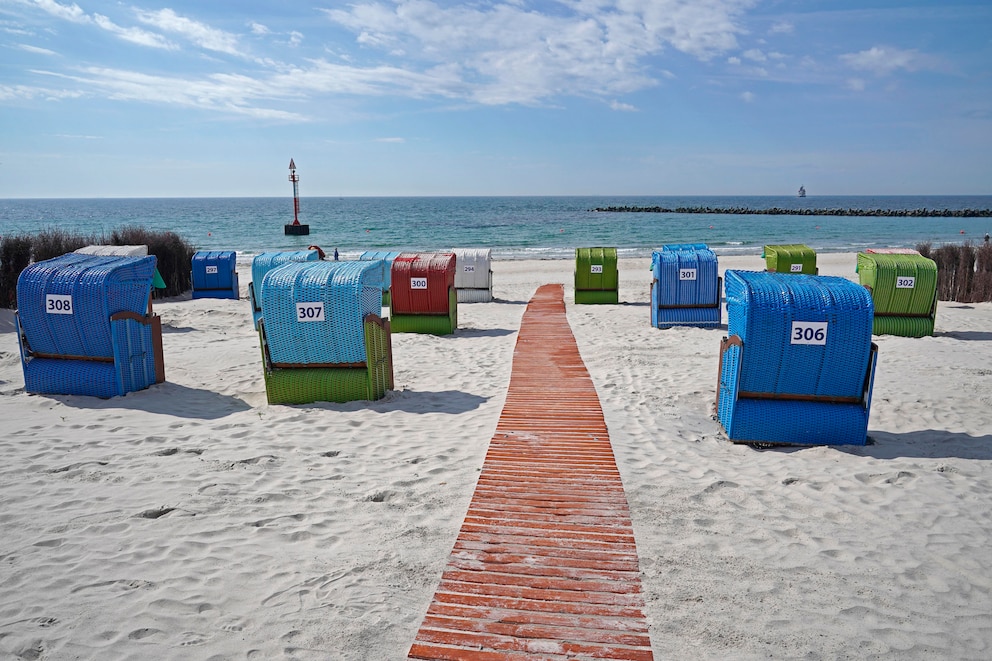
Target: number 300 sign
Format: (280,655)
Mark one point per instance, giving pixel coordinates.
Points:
(809,332)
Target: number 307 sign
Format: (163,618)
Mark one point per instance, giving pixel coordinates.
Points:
(809,332)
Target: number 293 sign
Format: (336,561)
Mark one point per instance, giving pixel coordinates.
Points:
(808,332)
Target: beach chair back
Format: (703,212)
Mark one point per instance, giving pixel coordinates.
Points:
(214,274)
(314,312)
(387,257)
(685,289)
(904,290)
(596,269)
(85,325)
(791,258)
(474,274)
(422,283)
(798,364)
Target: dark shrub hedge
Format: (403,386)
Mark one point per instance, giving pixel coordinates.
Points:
(173,255)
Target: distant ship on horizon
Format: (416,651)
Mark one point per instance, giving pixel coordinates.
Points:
(802,191)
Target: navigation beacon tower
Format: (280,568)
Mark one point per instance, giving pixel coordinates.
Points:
(296,229)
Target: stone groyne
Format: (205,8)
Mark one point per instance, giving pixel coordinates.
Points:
(776,211)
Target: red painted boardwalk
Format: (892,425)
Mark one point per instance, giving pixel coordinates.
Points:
(545,565)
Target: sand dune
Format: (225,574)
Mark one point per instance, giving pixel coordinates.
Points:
(194,521)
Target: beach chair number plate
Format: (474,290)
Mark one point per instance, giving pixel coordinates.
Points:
(58,304)
(597,268)
(905,282)
(211,270)
(809,332)
(470,269)
(687,274)
(795,268)
(418,283)
(310,312)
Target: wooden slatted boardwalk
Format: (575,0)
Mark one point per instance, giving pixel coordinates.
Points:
(545,565)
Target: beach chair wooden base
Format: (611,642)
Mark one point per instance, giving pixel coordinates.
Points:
(783,419)
(475,295)
(305,384)
(430,324)
(137,362)
(595,297)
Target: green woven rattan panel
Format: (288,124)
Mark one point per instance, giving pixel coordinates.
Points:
(303,385)
(596,269)
(904,326)
(431,324)
(590,296)
(385,298)
(791,258)
(900,284)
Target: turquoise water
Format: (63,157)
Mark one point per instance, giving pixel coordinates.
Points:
(514,227)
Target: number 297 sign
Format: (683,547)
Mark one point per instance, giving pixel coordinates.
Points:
(808,332)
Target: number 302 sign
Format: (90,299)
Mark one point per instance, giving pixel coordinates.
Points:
(809,332)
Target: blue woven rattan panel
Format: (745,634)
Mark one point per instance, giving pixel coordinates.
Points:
(761,310)
(384,255)
(666,317)
(99,286)
(266,261)
(685,246)
(72,377)
(673,286)
(214,270)
(798,423)
(347,291)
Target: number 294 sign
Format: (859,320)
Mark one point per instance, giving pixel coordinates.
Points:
(808,332)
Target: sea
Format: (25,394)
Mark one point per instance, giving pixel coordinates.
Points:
(532,227)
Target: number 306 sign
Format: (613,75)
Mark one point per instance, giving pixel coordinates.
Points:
(809,332)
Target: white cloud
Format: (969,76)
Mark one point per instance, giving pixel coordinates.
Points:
(782,27)
(25,92)
(508,53)
(295,38)
(733,60)
(391,140)
(258,28)
(747,97)
(36,49)
(625,107)
(856,84)
(755,55)
(196,32)
(75,14)
(884,60)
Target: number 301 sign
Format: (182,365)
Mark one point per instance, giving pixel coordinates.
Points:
(809,332)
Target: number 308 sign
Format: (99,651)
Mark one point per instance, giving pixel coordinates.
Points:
(58,304)
(809,332)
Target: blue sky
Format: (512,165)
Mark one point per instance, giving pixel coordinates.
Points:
(501,97)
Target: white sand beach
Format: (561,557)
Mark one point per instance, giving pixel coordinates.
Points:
(192,520)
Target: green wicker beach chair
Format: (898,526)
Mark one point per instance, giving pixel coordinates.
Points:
(904,290)
(791,258)
(596,275)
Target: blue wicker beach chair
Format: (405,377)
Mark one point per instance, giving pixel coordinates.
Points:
(321,334)
(685,289)
(387,257)
(265,262)
(798,365)
(86,327)
(214,274)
